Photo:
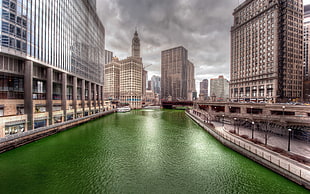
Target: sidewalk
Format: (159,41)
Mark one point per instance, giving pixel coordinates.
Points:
(297,147)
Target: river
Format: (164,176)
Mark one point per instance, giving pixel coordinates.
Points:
(143,151)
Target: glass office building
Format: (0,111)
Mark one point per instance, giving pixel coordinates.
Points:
(51,61)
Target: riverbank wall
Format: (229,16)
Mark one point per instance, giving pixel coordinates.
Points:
(14,141)
(291,169)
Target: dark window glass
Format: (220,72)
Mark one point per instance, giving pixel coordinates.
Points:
(24,46)
(5,27)
(12,17)
(12,29)
(12,42)
(18,44)
(19,20)
(24,23)
(13,6)
(5,40)
(5,3)
(18,32)
(24,35)
(5,15)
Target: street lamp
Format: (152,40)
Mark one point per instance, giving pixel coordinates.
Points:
(289,139)
(223,120)
(235,125)
(253,129)
(283,108)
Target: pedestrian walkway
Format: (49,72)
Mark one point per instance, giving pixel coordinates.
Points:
(301,148)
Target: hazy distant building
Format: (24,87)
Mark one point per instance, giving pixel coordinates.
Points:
(155,84)
(204,89)
(144,81)
(219,88)
(149,85)
(108,56)
(267,51)
(191,85)
(306,85)
(112,80)
(132,76)
(176,74)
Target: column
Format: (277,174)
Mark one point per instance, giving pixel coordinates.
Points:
(95,96)
(49,95)
(64,95)
(74,93)
(89,97)
(83,95)
(28,87)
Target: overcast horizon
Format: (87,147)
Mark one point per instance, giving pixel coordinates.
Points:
(202,27)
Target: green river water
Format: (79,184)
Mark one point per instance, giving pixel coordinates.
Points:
(144,151)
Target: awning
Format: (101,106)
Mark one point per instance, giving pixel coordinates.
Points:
(40,118)
(13,123)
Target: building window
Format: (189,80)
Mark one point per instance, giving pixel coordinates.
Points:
(39,90)
(1,110)
(14,127)
(56,91)
(11,87)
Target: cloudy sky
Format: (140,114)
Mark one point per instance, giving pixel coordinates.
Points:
(201,26)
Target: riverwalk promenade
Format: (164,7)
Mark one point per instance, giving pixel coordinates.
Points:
(20,139)
(285,166)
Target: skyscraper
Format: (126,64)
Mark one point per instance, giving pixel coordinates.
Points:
(267,51)
(51,63)
(176,74)
(306,85)
(155,84)
(219,88)
(112,79)
(108,56)
(131,77)
(204,89)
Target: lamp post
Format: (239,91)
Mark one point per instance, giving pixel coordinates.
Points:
(223,120)
(289,139)
(253,129)
(235,125)
(266,133)
(283,108)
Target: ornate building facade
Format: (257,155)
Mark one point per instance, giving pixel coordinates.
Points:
(267,51)
(125,80)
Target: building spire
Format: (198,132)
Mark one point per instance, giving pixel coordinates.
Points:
(135,47)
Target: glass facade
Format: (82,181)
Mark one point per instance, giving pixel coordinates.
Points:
(65,34)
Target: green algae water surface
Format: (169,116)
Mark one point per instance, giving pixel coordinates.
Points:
(144,151)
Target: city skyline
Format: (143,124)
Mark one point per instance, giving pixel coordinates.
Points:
(203,27)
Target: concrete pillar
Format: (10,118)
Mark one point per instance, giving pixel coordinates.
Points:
(28,87)
(49,95)
(83,95)
(89,96)
(64,95)
(95,96)
(74,93)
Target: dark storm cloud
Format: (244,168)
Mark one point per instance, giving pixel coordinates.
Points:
(201,26)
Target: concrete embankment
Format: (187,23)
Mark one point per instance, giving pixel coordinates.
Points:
(18,140)
(291,169)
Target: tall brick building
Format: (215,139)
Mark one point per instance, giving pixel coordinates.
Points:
(267,51)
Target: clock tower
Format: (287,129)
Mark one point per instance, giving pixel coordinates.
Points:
(135,47)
